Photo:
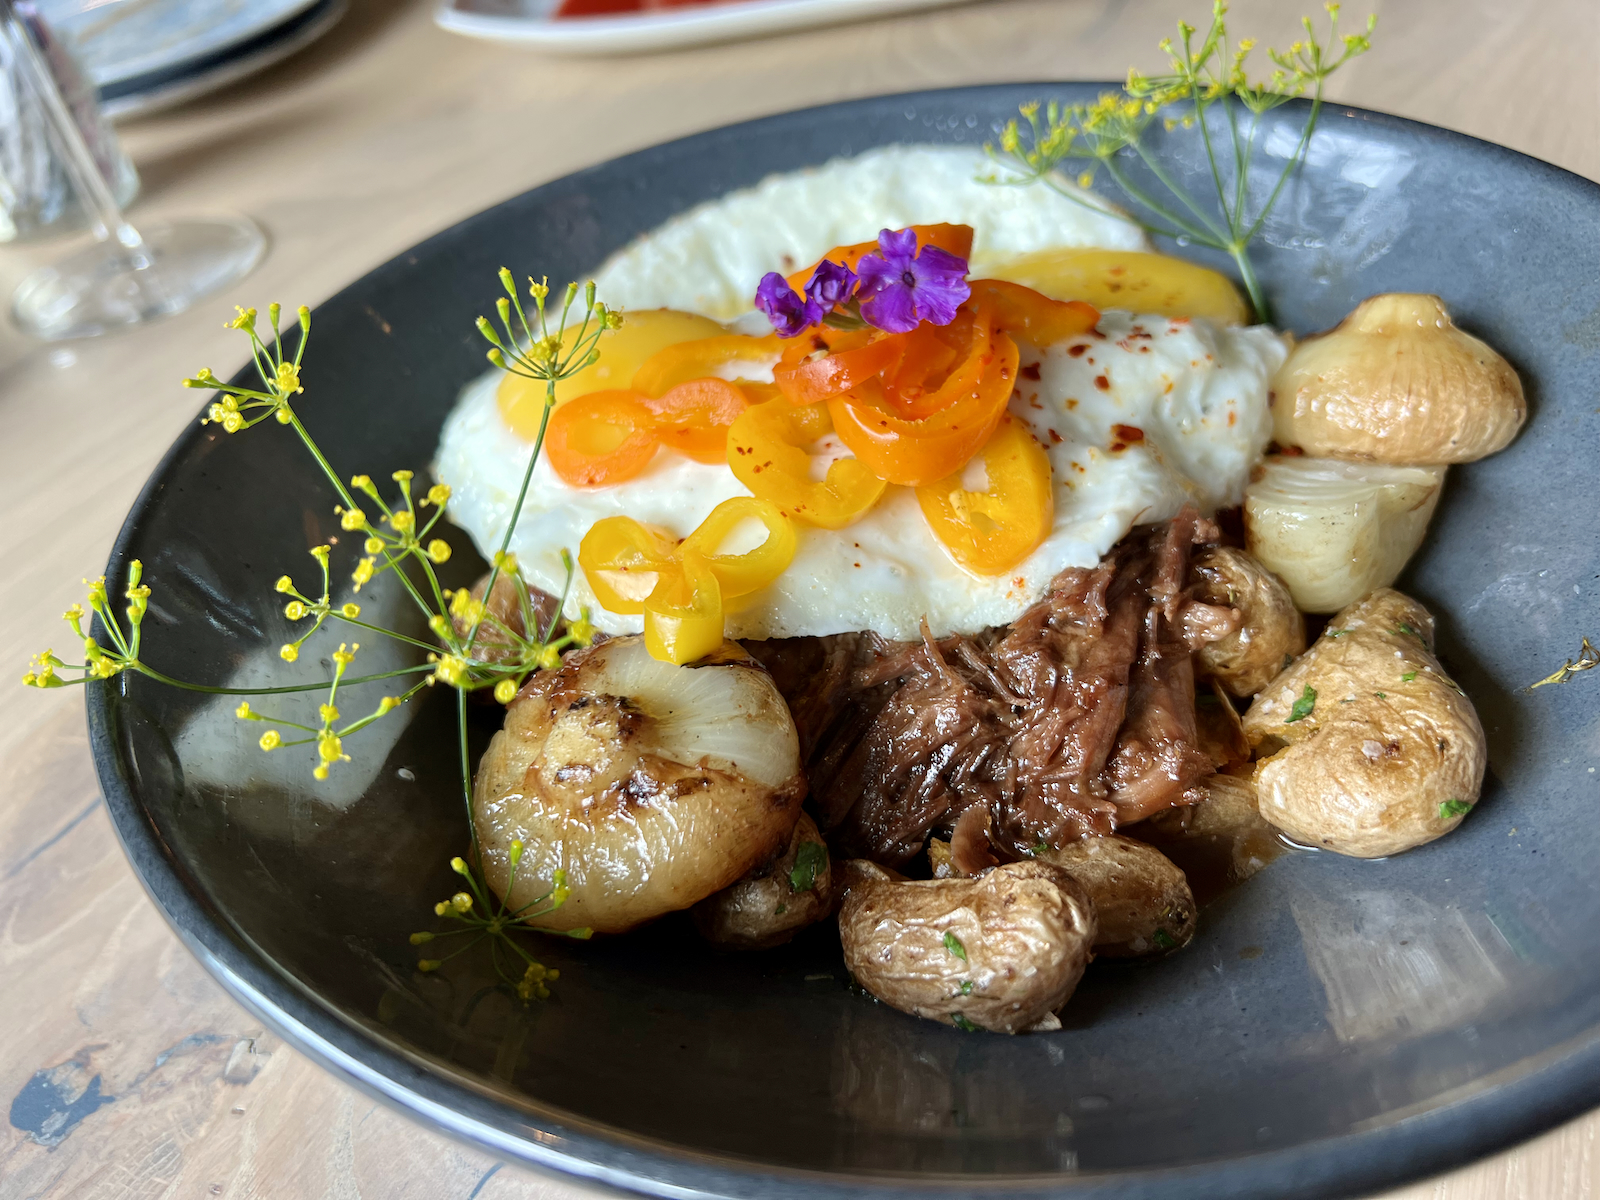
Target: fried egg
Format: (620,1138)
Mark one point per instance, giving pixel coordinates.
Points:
(1138,417)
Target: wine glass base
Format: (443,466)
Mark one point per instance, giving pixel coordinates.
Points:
(108,286)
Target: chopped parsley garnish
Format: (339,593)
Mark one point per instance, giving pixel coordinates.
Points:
(966,987)
(1451,809)
(1408,677)
(1406,629)
(780,910)
(1334,633)
(808,862)
(1381,695)
(1040,847)
(961,1023)
(953,944)
(1303,707)
(1163,939)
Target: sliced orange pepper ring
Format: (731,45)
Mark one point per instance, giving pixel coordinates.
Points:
(955,239)
(767,453)
(808,380)
(601,438)
(990,531)
(701,358)
(1033,316)
(922,451)
(693,417)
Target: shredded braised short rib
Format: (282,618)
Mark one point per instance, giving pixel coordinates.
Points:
(1075,719)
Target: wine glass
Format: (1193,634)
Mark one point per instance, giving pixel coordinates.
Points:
(129,275)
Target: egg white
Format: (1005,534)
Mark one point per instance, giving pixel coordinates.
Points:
(1197,392)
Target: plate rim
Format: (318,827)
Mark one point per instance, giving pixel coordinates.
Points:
(1501,1110)
(638,32)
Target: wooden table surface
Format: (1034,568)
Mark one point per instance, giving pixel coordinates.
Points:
(129,1073)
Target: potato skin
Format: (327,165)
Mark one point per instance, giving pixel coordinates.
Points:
(1219,842)
(1273,631)
(1397,382)
(1390,756)
(1025,930)
(763,909)
(1142,902)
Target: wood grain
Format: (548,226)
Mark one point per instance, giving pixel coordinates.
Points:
(131,1074)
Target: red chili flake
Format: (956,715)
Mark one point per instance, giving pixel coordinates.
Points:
(1233,419)
(1055,437)
(1031,371)
(1101,382)
(1077,349)
(1071,404)
(1123,436)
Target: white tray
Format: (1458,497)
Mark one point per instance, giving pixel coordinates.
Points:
(529,23)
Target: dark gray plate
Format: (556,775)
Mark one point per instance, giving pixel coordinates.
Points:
(1337,1026)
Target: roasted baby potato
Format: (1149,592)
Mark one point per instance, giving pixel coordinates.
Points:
(1333,531)
(1273,631)
(1142,902)
(1368,747)
(1397,382)
(1001,952)
(774,901)
(650,785)
(1219,842)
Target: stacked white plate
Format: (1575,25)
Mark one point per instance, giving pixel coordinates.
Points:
(535,23)
(149,54)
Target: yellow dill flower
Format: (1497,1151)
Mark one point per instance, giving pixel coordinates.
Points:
(439,625)
(451,670)
(461,902)
(351,519)
(505,691)
(288,379)
(243,711)
(372,545)
(328,713)
(549,658)
(363,483)
(345,657)
(581,631)
(289,652)
(270,740)
(403,476)
(363,572)
(329,747)
(403,521)
(350,611)
(320,553)
(438,495)
(294,610)
(284,584)
(439,550)
(388,704)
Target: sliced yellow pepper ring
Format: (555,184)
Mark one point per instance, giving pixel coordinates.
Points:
(698,359)
(767,453)
(624,561)
(681,587)
(683,616)
(991,531)
(1129,279)
(742,574)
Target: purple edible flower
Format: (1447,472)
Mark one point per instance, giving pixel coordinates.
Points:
(900,287)
(790,313)
(831,285)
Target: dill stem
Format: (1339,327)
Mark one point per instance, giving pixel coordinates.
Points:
(271,691)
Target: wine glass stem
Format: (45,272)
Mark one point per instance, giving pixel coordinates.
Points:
(105,215)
